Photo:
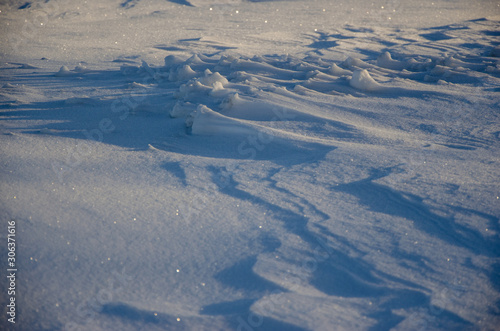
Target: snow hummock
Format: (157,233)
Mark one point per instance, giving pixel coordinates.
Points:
(385,61)
(362,80)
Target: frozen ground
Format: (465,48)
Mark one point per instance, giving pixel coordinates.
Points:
(251,165)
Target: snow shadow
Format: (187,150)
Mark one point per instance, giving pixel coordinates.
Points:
(340,274)
(237,315)
(241,276)
(383,199)
(228,307)
(234,315)
(133,314)
(182,2)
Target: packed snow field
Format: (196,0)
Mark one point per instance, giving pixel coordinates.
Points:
(251,165)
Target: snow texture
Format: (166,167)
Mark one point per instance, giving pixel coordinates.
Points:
(251,165)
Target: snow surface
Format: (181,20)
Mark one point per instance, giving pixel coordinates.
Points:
(251,165)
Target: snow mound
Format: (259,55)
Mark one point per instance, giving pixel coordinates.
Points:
(385,61)
(362,80)
(205,121)
(64,72)
(337,71)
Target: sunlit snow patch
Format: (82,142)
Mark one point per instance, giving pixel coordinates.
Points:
(362,80)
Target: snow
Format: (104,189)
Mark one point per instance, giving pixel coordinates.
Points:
(251,165)
(362,80)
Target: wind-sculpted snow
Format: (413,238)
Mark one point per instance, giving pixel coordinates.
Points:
(202,183)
